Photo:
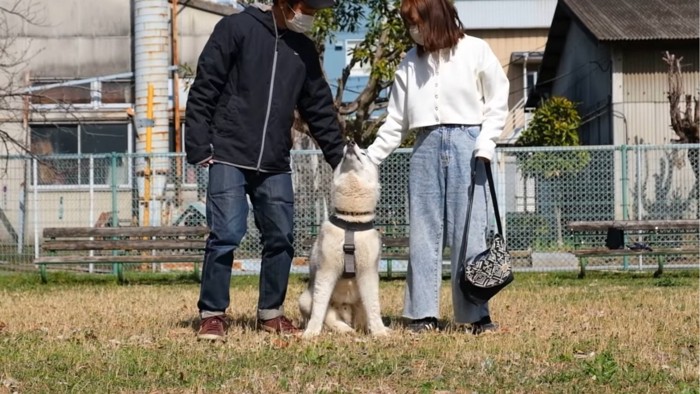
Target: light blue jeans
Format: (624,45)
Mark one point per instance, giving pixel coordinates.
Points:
(439,180)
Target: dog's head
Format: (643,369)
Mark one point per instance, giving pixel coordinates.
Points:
(355,187)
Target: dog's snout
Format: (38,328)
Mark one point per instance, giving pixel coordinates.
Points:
(351,142)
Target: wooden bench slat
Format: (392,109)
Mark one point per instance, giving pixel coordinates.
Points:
(131,244)
(394,256)
(604,225)
(165,231)
(120,259)
(395,242)
(629,252)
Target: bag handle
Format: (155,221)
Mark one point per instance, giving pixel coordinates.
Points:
(492,188)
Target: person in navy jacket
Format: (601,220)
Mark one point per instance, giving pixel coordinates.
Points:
(257,67)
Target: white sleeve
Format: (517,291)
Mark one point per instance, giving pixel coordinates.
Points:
(495,90)
(395,127)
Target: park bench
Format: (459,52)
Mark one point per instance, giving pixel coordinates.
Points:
(121,245)
(394,244)
(395,247)
(662,237)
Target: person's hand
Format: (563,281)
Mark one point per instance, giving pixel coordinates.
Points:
(206,162)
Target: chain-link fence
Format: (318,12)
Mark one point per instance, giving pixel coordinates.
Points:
(540,189)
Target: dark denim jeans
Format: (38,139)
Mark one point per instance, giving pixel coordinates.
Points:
(272,198)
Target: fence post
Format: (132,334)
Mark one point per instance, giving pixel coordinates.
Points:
(91,214)
(638,175)
(35,205)
(624,180)
(116,267)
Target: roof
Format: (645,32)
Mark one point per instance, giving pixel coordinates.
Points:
(210,6)
(505,14)
(611,20)
(615,22)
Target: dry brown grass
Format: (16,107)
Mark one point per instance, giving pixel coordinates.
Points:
(607,333)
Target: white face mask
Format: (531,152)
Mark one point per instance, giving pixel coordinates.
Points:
(415,35)
(300,23)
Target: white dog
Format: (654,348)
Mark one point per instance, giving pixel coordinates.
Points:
(345,303)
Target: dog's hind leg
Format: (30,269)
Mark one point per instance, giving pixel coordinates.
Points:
(305,301)
(368,285)
(335,321)
(323,289)
(359,317)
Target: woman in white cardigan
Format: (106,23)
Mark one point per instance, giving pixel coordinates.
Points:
(452,89)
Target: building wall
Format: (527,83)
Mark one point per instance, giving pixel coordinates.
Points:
(584,76)
(335,60)
(77,39)
(645,87)
(194,27)
(504,42)
(645,113)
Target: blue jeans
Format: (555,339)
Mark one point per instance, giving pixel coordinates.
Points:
(272,198)
(439,180)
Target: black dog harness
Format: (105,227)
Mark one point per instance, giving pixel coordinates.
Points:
(349,245)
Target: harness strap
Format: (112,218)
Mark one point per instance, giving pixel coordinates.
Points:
(349,254)
(349,244)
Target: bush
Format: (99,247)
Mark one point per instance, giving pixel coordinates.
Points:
(554,123)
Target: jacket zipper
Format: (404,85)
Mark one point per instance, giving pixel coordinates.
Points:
(269,97)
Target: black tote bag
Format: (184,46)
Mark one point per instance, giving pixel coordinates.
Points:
(489,272)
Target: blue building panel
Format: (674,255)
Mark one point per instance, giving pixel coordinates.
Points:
(337,56)
(506,14)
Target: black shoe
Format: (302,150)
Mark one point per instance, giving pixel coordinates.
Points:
(425,324)
(483,328)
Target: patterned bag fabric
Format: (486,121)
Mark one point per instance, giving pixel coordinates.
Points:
(483,276)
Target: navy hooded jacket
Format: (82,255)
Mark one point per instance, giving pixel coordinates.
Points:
(240,107)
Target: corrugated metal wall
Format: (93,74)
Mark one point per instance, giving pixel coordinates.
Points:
(645,73)
(645,87)
(81,40)
(78,39)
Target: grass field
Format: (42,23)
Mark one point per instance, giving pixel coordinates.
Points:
(608,333)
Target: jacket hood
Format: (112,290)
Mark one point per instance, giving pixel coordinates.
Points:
(263,14)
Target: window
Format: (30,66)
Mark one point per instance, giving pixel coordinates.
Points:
(358,70)
(61,95)
(90,93)
(531,80)
(116,92)
(82,140)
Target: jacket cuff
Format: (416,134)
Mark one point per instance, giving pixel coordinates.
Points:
(486,149)
(200,154)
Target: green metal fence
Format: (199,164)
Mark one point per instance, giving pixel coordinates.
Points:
(540,190)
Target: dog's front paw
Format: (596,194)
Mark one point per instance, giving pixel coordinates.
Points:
(382,332)
(309,334)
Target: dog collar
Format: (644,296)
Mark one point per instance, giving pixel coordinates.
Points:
(351,226)
(346,213)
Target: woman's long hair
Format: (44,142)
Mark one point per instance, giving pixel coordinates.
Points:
(437,21)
